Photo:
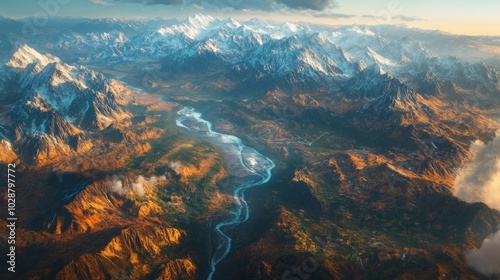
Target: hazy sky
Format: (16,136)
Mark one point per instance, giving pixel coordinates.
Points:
(479,17)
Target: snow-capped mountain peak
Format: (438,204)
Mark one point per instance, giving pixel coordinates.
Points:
(25,56)
(361,30)
(200,20)
(52,104)
(192,27)
(257,48)
(232,23)
(69,90)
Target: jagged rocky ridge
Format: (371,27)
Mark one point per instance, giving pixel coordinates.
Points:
(51,106)
(271,55)
(411,106)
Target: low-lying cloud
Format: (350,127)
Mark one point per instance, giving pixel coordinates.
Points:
(138,187)
(175,166)
(117,186)
(486,259)
(479,180)
(394,17)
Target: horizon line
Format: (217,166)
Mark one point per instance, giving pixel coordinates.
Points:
(302,22)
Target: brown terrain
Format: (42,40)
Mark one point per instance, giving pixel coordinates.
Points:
(363,187)
(84,213)
(360,208)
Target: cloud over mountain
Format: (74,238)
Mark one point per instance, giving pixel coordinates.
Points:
(117,186)
(395,17)
(486,259)
(479,180)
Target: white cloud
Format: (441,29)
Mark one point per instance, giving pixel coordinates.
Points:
(486,259)
(241,5)
(479,180)
(153,180)
(117,186)
(138,186)
(176,166)
(102,2)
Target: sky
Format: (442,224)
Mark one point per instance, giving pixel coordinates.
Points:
(479,17)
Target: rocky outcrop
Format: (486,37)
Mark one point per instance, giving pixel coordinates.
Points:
(7,155)
(180,269)
(51,104)
(131,254)
(139,240)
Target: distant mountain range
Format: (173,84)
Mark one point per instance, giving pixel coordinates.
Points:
(54,101)
(159,37)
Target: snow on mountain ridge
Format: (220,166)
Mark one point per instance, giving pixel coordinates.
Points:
(51,104)
(25,56)
(67,89)
(226,44)
(307,60)
(193,27)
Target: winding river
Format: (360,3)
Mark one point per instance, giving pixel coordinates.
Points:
(248,166)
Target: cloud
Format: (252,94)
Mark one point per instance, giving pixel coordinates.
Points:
(153,181)
(153,2)
(138,186)
(395,17)
(176,166)
(317,5)
(479,180)
(117,186)
(486,259)
(257,5)
(102,2)
(408,18)
(329,14)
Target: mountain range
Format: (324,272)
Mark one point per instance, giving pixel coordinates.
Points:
(312,55)
(368,127)
(49,106)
